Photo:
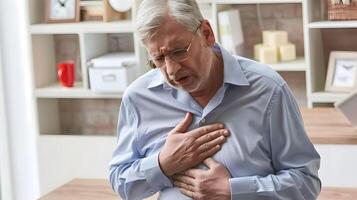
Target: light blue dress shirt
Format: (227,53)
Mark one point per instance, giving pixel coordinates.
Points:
(268,152)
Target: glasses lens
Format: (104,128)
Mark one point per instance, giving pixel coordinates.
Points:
(179,55)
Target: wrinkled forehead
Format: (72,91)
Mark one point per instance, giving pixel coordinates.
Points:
(168,36)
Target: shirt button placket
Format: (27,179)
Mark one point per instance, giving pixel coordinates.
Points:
(203,122)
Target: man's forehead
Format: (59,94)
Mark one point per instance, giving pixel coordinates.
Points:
(166,41)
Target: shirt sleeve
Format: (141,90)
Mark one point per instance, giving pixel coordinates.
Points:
(293,157)
(132,175)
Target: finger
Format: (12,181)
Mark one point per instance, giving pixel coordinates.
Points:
(183,185)
(198,132)
(184,124)
(211,136)
(193,173)
(210,162)
(187,192)
(209,153)
(211,144)
(184,179)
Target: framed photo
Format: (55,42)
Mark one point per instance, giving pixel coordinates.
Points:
(342,71)
(59,11)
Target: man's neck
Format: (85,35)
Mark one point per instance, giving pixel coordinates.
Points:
(216,81)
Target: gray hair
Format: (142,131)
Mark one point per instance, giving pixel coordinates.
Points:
(151,13)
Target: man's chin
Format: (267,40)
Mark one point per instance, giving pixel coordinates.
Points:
(180,87)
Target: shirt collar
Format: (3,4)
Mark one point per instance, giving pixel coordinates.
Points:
(233,73)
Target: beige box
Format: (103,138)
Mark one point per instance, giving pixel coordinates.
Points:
(275,38)
(257,48)
(268,55)
(287,52)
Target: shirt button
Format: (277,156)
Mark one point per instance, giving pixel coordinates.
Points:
(203,121)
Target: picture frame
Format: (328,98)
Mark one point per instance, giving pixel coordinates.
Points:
(342,71)
(62,11)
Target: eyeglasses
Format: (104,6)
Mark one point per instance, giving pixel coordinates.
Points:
(177,55)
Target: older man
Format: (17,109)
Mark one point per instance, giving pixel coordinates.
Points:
(204,124)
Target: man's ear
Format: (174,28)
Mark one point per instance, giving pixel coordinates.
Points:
(207,33)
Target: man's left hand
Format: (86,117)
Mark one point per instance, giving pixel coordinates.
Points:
(211,184)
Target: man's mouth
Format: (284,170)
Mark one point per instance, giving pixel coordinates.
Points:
(182,79)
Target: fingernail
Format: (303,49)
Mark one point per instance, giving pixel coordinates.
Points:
(226,132)
(221,126)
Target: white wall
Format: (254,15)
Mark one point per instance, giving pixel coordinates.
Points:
(5,169)
(21,126)
(338,165)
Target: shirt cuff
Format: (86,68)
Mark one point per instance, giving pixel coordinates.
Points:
(154,175)
(243,187)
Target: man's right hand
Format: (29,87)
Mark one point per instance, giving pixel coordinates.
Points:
(184,150)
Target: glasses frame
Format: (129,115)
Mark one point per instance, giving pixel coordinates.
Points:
(152,64)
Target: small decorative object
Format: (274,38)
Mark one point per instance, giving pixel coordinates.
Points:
(110,14)
(268,55)
(342,71)
(342,9)
(287,52)
(92,10)
(275,48)
(121,5)
(275,38)
(65,72)
(348,107)
(231,32)
(58,11)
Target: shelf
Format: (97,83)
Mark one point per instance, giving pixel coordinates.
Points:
(204,1)
(327,97)
(78,137)
(78,91)
(254,1)
(296,65)
(333,24)
(124,26)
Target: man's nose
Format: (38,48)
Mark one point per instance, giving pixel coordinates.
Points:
(172,67)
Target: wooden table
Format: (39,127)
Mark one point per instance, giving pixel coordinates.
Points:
(85,189)
(95,189)
(328,126)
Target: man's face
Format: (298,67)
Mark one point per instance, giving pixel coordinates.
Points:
(190,72)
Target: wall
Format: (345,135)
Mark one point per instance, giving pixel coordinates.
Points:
(5,169)
(17,75)
(338,165)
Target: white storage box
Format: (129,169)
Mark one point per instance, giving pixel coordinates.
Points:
(112,72)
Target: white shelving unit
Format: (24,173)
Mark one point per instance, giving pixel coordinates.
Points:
(298,65)
(124,26)
(294,70)
(332,24)
(77,92)
(74,154)
(317,48)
